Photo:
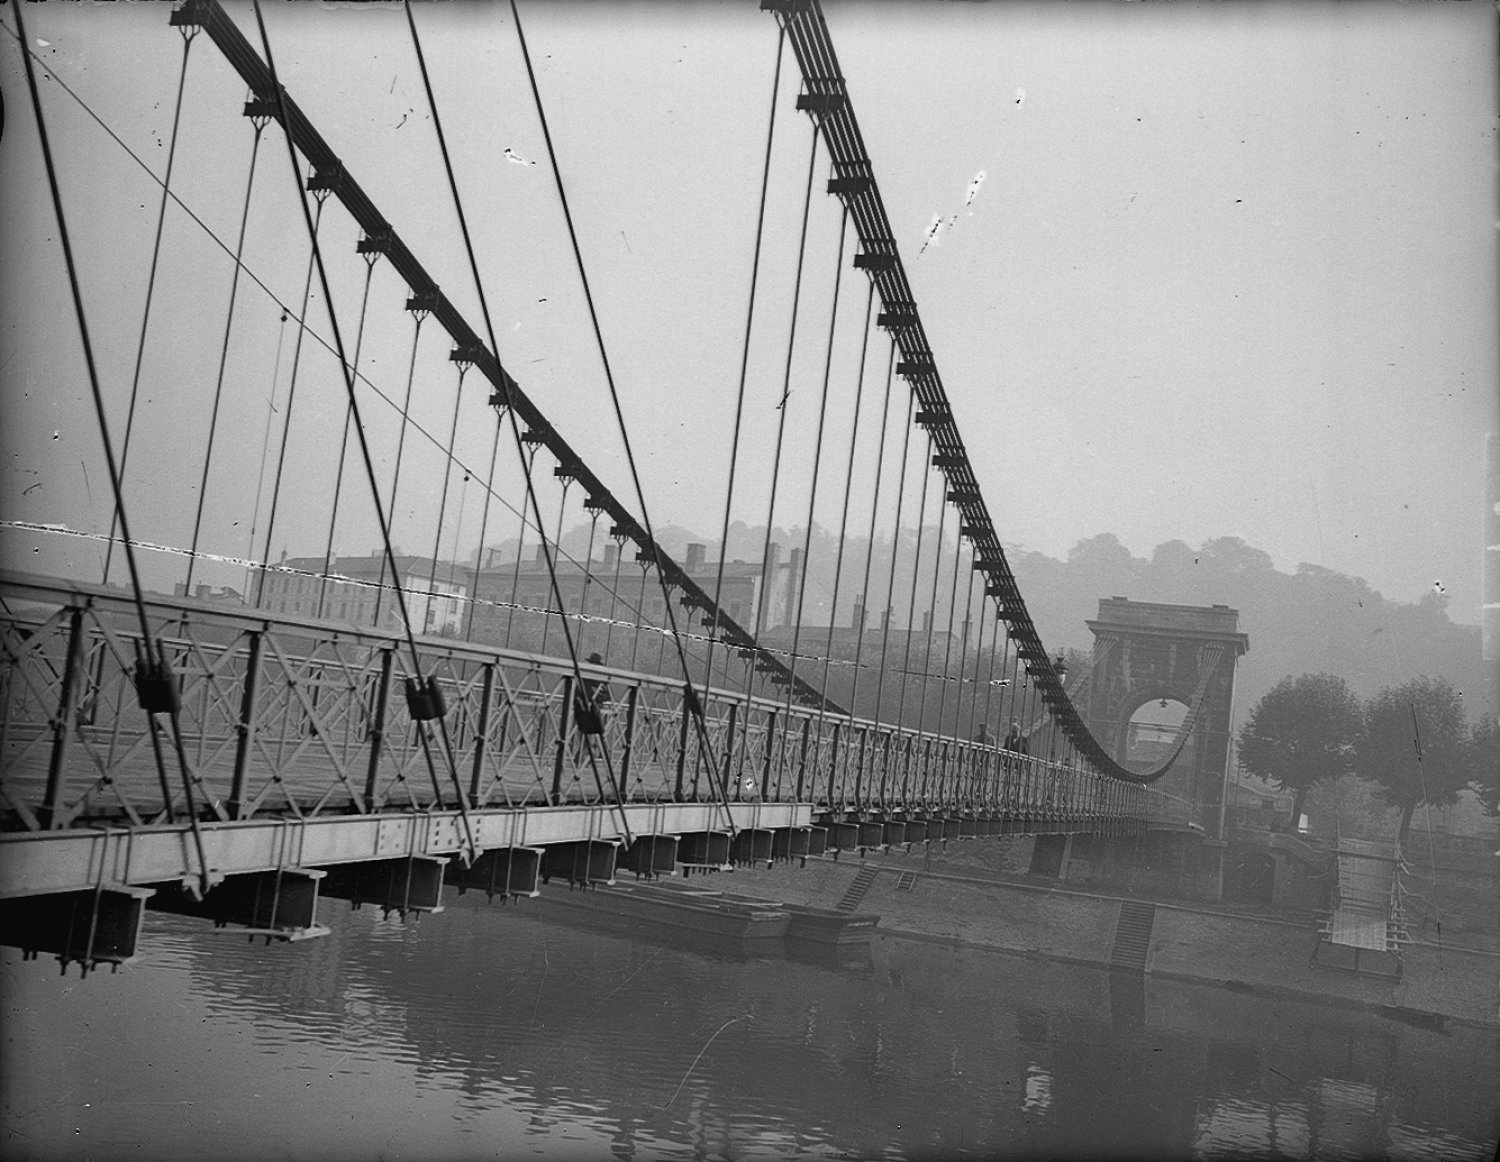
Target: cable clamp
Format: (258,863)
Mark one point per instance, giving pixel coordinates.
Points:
(155,684)
(424,699)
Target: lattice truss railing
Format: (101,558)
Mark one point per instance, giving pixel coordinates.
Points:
(289,717)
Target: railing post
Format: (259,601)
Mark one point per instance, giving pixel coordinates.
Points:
(564,721)
(734,718)
(833,762)
(859,766)
(481,733)
(802,758)
(682,738)
(62,725)
(377,731)
(624,781)
(765,778)
(245,728)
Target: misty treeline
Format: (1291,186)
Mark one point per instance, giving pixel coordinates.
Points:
(1412,743)
(1313,620)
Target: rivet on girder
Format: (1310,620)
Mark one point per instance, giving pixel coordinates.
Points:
(897,320)
(466,354)
(822,103)
(916,368)
(933,417)
(374,243)
(260,109)
(849,186)
(865,261)
(948,461)
(325,181)
(189,15)
(424,300)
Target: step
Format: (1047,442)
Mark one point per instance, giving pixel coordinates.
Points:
(1132,942)
(857,889)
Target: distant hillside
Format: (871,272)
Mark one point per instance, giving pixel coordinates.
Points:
(1309,621)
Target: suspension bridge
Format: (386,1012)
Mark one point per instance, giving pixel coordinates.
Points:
(208,727)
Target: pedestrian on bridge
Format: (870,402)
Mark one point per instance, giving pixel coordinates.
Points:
(591,702)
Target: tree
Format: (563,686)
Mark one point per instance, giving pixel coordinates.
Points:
(1484,762)
(1416,746)
(1303,730)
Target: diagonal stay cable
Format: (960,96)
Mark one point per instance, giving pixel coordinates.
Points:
(259,124)
(155,686)
(694,705)
(422,693)
(739,405)
(210,15)
(531,495)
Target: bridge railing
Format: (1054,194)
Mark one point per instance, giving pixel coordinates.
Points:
(294,717)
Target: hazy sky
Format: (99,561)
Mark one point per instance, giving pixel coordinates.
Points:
(1200,269)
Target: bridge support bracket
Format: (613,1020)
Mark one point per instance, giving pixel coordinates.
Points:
(410,884)
(506,872)
(650,855)
(279,905)
(582,863)
(96,926)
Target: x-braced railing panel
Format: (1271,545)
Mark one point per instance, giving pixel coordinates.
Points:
(290,717)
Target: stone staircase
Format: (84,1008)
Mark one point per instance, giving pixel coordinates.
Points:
(1132,941)
(857,889)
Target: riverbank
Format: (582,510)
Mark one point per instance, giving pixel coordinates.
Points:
(973,898)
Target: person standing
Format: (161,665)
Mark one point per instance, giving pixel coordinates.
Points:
(591,702)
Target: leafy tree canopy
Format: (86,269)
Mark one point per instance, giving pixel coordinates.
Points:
(1416,746)
(1303,730)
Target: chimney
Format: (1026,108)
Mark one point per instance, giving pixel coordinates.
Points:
(611,553)
(859,613)
(767,579)
(694,558)
(885,618)
(541,553)
(927,622)
(793,569)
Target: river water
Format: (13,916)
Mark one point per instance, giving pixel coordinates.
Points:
(501,1032)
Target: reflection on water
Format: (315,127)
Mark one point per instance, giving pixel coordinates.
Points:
(491,1031)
